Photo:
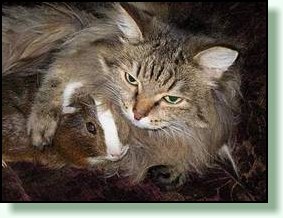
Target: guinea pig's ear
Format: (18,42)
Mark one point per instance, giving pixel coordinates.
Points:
(130,21)
(215,61)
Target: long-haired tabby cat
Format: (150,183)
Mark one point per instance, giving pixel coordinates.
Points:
(177,91)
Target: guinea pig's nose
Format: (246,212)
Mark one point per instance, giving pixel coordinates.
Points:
(115,155)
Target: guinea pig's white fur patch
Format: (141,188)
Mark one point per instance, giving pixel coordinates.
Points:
(67,95)
(107,122)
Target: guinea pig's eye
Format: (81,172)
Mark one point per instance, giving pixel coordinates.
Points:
(91,127)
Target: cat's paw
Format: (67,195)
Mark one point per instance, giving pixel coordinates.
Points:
(166,177)
(41,129)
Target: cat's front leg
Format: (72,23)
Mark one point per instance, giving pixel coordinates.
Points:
(52,97)
(45,112)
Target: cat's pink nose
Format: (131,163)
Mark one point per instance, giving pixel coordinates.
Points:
(137,114)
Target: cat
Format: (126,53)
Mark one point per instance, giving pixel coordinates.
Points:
(176,91)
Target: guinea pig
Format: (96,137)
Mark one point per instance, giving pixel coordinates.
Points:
(79,139)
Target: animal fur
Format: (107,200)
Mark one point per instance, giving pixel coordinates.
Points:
(95,48)
(30,35)
(73,144)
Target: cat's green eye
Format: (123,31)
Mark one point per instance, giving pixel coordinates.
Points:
(172,99)
(130,79)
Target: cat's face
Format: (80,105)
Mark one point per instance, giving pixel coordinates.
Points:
(157,88)
(159,82)
(153,95)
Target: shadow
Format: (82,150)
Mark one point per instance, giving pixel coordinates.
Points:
(139,207)
(273,109)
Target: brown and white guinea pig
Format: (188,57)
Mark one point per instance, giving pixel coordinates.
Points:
(79,139)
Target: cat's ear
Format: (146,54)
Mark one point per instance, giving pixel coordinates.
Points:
(215,61)
(130,22)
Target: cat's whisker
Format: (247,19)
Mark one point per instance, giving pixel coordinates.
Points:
(178,128)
